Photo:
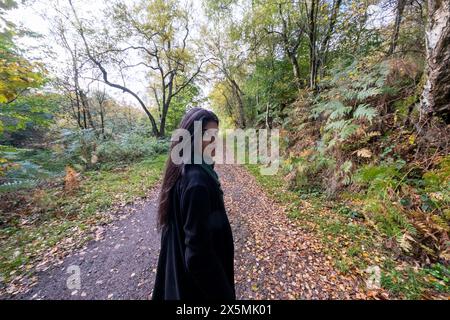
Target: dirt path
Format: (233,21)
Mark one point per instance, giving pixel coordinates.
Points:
(121,265)
(274,258)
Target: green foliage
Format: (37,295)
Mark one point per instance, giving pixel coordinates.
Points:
(382,182)
(27,114)
(411,283)
(270,87)
(406,282)
(439,178)
(7,4)
(78,146)
(129,148)
(403,202)
(410,210)
(17,74)
(25,168)
(344,102)
(379,179)
(365,112)
(439,277)
(60,216)
(187,98)
(85,149)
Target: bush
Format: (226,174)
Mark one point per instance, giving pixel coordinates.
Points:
(130,147)
(412,211)
(25,168)
(85,150)
(82,149)
(305,170)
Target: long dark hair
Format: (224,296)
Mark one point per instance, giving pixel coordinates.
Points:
(173,171)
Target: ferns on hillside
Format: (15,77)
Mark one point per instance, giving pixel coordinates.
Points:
(345,106)
(25,168)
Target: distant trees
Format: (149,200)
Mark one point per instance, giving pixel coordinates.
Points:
(288,26)
(156,35)
(225,43)
(230,65)
(270,33)
(69,76)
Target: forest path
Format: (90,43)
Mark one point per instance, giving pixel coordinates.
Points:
(274,258)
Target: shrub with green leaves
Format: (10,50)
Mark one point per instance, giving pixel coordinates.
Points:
(86,149)
(412,211)
(130,147)
(25,168)
(83,149)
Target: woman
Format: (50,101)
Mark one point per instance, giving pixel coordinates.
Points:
(196,260)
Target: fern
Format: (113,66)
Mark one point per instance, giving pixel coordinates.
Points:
(366,112)
(367,93)
(337,125)
(348,130)
(318,109)
(346,168)
(339,111)
(349,94)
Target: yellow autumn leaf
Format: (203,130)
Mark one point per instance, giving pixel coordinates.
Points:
(374,134)
(364,153)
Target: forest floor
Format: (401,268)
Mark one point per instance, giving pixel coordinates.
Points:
(274,257)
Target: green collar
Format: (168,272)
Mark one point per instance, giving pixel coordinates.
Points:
(209,169)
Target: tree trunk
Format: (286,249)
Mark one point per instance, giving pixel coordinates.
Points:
(78,112)
(102,121)
(102,69)
(398,19)
(436,94)
(86,109)
(324,47)
(162,126)
(229,110)
(237,92)
(313,44)
(296,68)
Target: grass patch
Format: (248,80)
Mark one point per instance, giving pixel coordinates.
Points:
(415,283)
(40,219)
(352,243)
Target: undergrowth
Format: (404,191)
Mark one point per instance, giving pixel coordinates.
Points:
(34,221)
(354,243)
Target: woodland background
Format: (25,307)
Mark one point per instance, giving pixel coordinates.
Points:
(359,89)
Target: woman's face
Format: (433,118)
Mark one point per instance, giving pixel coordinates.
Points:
(209,137)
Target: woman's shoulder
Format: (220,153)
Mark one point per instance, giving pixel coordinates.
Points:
(194,176)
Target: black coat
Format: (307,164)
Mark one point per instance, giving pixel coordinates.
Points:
(196,260)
